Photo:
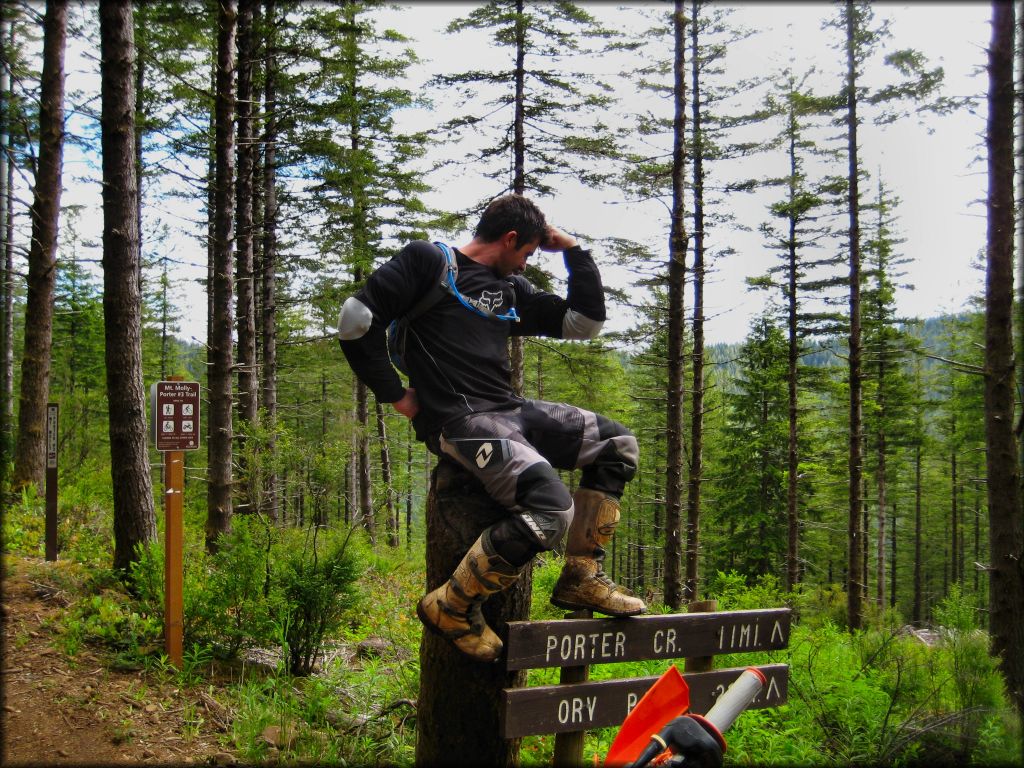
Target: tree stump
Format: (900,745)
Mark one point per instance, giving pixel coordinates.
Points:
(458,714)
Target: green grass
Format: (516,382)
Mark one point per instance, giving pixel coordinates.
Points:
(874,697)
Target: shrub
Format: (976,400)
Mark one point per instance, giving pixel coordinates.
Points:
(735,594)
(316,582)
(226,597)
(109,619)
(24,524)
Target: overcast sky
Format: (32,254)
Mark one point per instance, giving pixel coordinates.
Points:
(941,216)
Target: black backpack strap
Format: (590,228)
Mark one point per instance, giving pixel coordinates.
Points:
(440,287)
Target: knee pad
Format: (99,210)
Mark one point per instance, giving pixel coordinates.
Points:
(545,504)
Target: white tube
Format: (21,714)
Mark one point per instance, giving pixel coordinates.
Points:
(736,698)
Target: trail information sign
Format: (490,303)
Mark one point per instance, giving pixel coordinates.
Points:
(602,703)
(175,415)
(574,642)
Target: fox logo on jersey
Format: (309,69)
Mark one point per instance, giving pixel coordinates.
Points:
(489,301)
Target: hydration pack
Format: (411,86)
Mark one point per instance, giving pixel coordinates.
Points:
(398,330)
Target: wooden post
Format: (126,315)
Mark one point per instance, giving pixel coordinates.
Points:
(174,486)
(52,412)
(700,663)
(569,746)
(174,473)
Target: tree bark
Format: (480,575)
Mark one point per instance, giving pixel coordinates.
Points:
(268,303)
(792,371)
(458,716)
(390,506)
(134,515)
(218,497)
(7,249)
(881,490)
(42,258)
(697,394)
(515,345)
(1006,537)
(676,354)
(245,313)
(364,477)
(855,586)
(916,612)
(954,520)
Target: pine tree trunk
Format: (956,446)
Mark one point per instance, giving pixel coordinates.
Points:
(134,514)
(219,501)
(42,258)
(408,480)
(140,84)
(459,702)
(916,612)
(245,314)
(1006,538)
(855,579)
(697,394)
(364,478)
(268,303)
(792,373)
(954,520)
(6,250)
(892,559)
(211,228)
(676,352)
(391,509)
(516,360)
(880,517)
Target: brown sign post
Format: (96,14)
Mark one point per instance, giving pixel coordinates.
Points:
(52,417)
(175,420)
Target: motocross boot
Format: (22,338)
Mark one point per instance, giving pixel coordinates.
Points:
(583,583)
(453,609)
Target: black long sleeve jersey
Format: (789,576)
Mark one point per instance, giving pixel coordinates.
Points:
(457,359)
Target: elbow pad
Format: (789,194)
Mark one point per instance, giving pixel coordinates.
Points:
(578,326)
(354,320)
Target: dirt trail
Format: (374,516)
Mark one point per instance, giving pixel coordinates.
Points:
(61,711)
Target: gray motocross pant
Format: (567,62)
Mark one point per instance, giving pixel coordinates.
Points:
(515,453)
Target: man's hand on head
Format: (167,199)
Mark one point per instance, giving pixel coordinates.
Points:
(557,240)
(408,406)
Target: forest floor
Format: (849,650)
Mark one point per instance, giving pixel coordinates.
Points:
(60,710)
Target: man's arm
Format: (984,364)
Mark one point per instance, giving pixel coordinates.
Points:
(581,314)
(362,328)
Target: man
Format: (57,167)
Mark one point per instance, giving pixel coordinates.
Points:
(462,405)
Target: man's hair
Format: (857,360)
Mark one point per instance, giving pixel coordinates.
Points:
(512,212)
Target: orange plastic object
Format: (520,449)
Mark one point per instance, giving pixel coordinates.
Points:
(668,698)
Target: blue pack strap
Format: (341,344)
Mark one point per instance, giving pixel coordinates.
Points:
(451,274)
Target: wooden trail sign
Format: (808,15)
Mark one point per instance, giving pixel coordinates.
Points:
(175,415)
(52,445)
(577,642)
(603,703)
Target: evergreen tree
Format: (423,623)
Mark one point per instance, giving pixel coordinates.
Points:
(804,274)
(1006,537)
(219,491)
(750,496)
(134,513)
(918,84)
(887,417)
(42,259)
(78,363)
